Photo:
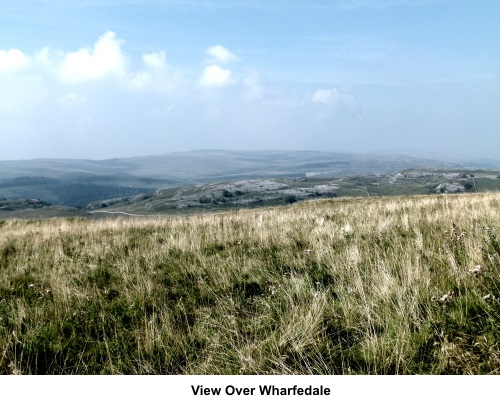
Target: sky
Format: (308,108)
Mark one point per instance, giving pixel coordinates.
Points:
(98,79)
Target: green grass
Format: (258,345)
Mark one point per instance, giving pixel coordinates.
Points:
(344,286)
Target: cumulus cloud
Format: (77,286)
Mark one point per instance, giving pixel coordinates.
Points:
(86,64)
(140,80)
(332,97)
(13,59)
(42,57)
(155,60)
(155,63)
(221,54)
(215,76)
(156,75)
(324,96)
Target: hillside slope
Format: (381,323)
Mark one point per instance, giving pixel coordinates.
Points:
(392,285)
(275,191)
(79,182)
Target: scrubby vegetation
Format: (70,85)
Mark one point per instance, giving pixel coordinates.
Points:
(400,285)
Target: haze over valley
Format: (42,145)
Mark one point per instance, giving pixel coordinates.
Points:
(198,181)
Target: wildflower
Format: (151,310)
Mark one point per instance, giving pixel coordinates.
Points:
(476,270)
(446,297)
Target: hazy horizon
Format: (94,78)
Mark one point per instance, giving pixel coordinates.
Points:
(100,79)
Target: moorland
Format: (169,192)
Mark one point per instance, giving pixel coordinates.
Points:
(345,285)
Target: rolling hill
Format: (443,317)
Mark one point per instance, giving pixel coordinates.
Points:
(73,182)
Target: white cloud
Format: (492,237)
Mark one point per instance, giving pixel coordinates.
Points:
(157,75)
(334,103)
(13,59)
(332,97)
(42,57)
(215,76)
(155,60)
(221,54)
(140,80)
(91,64)
(155,63)
(324,96)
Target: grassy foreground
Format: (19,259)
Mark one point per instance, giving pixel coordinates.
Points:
(405,285)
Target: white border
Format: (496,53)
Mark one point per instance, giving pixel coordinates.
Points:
(152,390)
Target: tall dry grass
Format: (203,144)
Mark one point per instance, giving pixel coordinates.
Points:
(362,286)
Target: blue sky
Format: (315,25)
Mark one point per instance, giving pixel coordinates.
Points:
(107,78)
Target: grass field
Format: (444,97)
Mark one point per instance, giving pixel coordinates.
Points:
(393,285)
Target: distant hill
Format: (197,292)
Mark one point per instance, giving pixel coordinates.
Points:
(74,182)
(251,193)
